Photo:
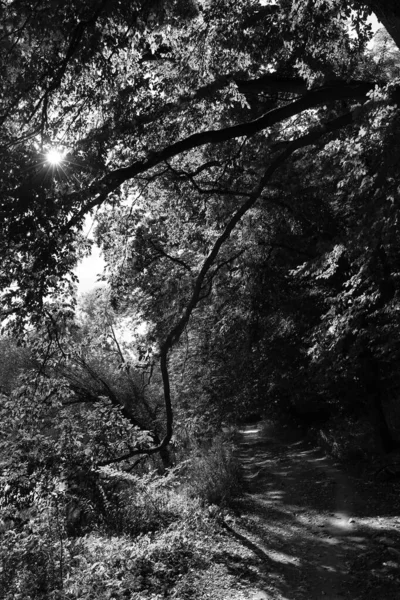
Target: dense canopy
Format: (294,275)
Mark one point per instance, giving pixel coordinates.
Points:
(239,161)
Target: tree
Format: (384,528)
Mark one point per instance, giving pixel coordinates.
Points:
(178,123)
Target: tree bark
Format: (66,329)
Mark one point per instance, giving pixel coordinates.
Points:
(388,13)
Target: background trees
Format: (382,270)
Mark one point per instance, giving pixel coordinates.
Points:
(239,163)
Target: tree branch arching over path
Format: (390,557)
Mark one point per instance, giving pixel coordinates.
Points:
(324,95)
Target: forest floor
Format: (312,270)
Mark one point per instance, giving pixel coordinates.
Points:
(308,528)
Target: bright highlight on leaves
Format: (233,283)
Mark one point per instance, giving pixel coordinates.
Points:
(54,157)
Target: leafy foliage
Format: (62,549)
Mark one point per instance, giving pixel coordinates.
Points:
(239,162)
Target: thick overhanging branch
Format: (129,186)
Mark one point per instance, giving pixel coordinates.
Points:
(312,99)
(272,84)
(269,83)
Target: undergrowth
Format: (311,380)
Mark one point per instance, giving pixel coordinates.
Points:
(131,537)
(347,440)
(214,475)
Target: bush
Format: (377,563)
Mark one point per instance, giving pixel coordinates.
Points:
(118,567)
(214,474)
(347,440)
(38,561)
(144,504)
(99,567)
(33,553)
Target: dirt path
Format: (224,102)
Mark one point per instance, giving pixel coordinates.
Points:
(317,531)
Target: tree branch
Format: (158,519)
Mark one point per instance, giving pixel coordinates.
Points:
(312,99)
(209,191)
(114,337)
(218,268)
(178,261)
(272,83)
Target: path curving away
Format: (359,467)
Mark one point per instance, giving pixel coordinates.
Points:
(318,532)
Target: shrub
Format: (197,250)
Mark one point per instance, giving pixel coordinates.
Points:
(38,561)
(100,567)
(118,567)
(347,440)
(143,504)
(34,553)
(214,475)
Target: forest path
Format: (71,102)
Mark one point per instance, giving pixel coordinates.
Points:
(319,532)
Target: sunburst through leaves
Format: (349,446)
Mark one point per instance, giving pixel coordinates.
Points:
(55,157)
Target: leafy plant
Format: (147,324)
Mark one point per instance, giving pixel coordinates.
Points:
(213,474)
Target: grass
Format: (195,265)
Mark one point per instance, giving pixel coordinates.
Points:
(214,475)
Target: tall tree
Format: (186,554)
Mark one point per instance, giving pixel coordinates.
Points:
(174,122)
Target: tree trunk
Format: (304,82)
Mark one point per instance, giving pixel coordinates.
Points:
(388,13)
(371,379)
(166,458)
(165,454)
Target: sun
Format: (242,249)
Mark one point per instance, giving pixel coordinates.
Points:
(54,157)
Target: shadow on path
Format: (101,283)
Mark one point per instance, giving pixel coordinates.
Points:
(317,531)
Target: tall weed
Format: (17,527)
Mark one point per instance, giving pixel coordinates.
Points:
(147,503)
(213,474)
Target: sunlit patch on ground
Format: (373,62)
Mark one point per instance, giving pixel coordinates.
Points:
(302,518)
